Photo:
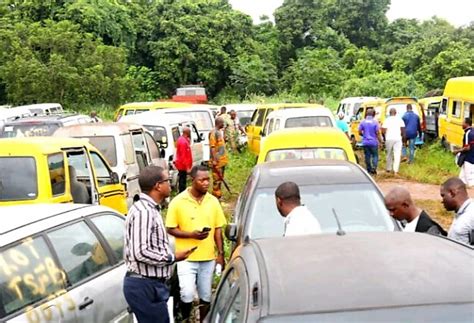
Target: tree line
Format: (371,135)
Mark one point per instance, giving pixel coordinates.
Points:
(84,52)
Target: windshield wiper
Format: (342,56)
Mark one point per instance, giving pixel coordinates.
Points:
(339,232)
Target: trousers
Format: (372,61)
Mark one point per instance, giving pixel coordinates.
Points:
(394,151)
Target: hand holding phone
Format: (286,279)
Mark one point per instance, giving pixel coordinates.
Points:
(206,229)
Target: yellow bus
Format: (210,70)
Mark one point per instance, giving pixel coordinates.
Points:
(458,103)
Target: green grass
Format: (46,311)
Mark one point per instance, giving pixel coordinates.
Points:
(433,164)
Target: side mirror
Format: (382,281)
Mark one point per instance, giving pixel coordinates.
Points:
(163,142)
(114,178)
(162,153)
(231,232)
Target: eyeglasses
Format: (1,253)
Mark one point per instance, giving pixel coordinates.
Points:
(165,180)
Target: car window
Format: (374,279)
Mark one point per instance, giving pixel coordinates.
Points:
(14,185)
(28,274)
(277,125)
(456,112)
(102,172)
(129,112)
(264,220)
(158,133)
(29,130)
(306,153)
(176,133)
(260,117)
(401,108)
(56,173)
(468,109)
(138,111)
(111,227)
(79,251)
(106,146)
(202,119)
(128,148)
(266,126)
(138,141)
(152,147)
(308,121)
(270,126)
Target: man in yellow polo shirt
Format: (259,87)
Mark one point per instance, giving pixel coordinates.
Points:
(195,218)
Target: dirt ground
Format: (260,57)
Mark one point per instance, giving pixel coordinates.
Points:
(426,196)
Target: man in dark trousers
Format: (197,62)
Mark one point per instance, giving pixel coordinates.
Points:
(401,207)
(147,252)
(412,130)
(369,129)
(183,158)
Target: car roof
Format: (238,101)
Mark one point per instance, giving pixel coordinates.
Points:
(41,106)
(324,273)
(23,220)
(302,112)
(358,99)
(154,105)
(288,105)
(50,118)
(155,117)
(98,129)
(310,171)
(42,145)
(240,107)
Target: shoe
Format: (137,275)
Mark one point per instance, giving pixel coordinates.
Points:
(404,159)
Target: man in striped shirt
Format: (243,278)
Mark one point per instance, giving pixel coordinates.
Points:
(148,255)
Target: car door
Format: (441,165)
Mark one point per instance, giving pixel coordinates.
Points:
(154,151)
(196,145)
(78,159)
(110,191)
(90,270)
(33,285)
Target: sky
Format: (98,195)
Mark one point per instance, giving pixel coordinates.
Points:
(457,12)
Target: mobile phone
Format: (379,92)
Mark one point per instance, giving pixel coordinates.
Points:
(206,229)
(194,248)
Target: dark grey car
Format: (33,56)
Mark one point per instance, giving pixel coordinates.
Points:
(359,277)
(326,186)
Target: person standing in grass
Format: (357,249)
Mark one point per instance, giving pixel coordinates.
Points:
(394,130)
(369,129)
(183,158)
(467,168)
(413,130)
(219,158)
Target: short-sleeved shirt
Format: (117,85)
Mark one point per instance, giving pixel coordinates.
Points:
(370,127)
(300,221)
(463,223)
(186,214)
(393,126)
(468,140)
(412,124)
(216,140)
(342,125)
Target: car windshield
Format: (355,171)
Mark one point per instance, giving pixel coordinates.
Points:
(423,313)
(18,185)
(29,130)
(306,153)
(244,117)
(158,133)
(308,121)
(106,146)
(202,119)
(401,108)
(359,207)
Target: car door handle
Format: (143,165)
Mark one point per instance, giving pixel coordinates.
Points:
(87,301)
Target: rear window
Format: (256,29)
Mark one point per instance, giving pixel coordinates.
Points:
(28,274)
(18,185)
(29,130)
(244,117)
(106,146)
(202,119)
(401,109)
(306,153)
(309,121)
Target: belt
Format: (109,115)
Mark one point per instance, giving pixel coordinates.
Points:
(135,275)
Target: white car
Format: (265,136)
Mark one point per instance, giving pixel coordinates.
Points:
(350,106)
(62,262)
(44,108)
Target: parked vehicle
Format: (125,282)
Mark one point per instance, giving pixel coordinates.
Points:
(190,94)
(166,130)
(140,107)
(459,104)
(356,277)
(432,107)
(309,117)
(57,170)
(127,147)
(10,114)
(350,106)
(258,119)
(326,186)
(306,143)
(382,110)
(244,112)
(44,108)
(62,263)
(40,126)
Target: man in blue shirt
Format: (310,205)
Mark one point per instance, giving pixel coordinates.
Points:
(369,129)
(412,130)
(342,125)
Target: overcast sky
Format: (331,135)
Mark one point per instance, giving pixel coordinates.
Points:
(457,12)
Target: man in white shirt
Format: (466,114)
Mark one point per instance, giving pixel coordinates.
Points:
(394,130)
(401,207)
(298,219)
(455,198)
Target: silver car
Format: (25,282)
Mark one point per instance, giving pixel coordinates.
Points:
(61,262)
